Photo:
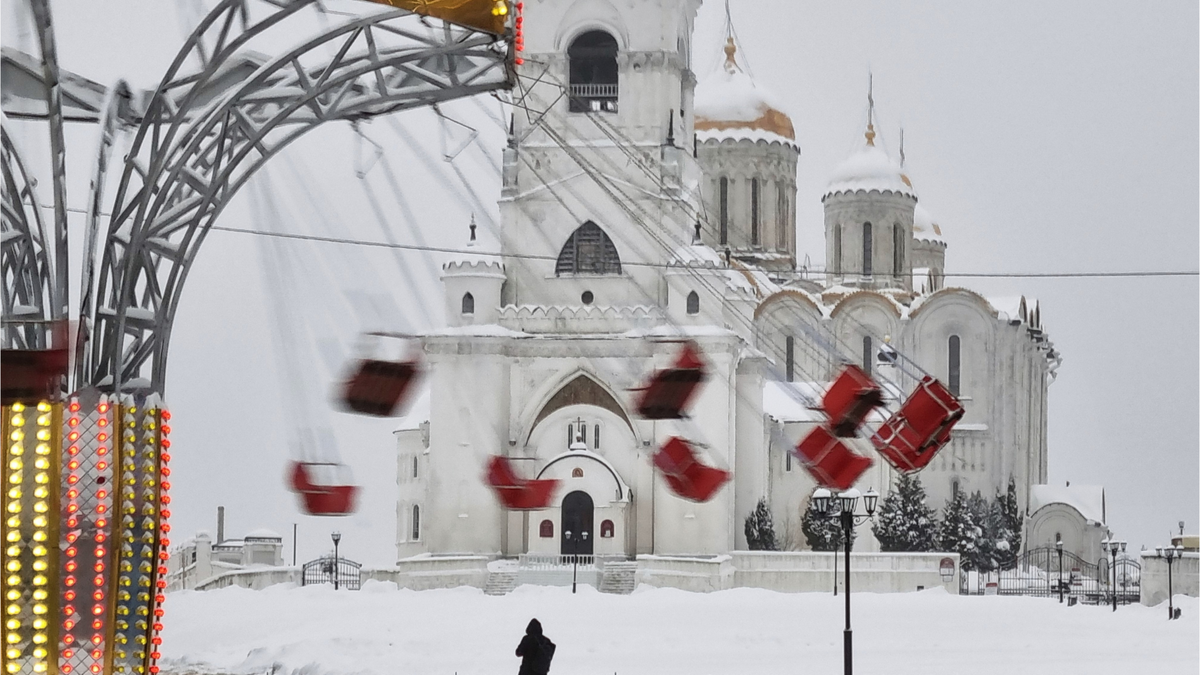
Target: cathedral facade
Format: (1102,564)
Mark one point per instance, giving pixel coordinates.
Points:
(641,208)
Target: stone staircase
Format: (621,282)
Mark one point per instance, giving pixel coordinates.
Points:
(620,578)
(501,582)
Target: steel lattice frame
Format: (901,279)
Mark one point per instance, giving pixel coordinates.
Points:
(27,293)
(200,141)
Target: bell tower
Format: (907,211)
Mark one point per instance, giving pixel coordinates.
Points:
(599,154)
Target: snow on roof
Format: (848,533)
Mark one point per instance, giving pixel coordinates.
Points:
(418,411)
(481,330)
(263,533)
(1011,307)
(793,401)
(744,134)
(729,99)
(925,228)
(869,169)
(1088,500)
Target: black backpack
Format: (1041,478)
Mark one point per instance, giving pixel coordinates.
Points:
(548,648)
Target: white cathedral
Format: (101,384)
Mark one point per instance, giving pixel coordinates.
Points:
(645,208)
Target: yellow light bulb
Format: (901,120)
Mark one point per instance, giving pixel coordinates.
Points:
(13,566)
(43,435)
(16,477)
(14,551)
(39,550)
(14,507)
(39,521)
(13,638)
(16,464)
(41,478)
(41,463)
(12,667)
(18,406)
(39,624)
(14,609)
(39,667)
(15,493)
(18,421)
(39,580)
(39,639)
(13,595)
(14,580)
(40,507)
(39,536)
(42,448)
(12,624)
(43,420)
(43,406)
(14,522)
(16,449)
(40,566)
(17,435)
(41,492)
(39,594)
(13,536)
(39,608)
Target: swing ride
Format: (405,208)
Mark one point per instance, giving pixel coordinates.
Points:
(91,418)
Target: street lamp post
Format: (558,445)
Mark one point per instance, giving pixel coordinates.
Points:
(337,538)
(575,539)
(844,505)
(1059,546)
(1170,553)
(1113,547)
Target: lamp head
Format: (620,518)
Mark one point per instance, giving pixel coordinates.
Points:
(336,536)
(849,500)
(870,500)
(1058,545)
(820,500)
(585,536)
(567,534)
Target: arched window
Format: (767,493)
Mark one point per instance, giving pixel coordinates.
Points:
(607,529)
(546,529)
(468,304)
(790,348)
(868,250)
(577,473)
(416,523)
(724,209)
(415,458)
(588,251)
(781,209)
(593,73)
(897,249)
(954,374)
(596,438)
(693,303)
(837,249)
(868,359)
(754,224)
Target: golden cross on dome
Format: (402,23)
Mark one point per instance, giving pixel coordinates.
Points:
(870,109)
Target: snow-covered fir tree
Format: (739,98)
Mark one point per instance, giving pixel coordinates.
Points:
(760,529)
(985,531)
(823,532)
(958,532)
(905,523)
(1008,544)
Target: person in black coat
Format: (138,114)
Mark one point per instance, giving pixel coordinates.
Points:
(535,650)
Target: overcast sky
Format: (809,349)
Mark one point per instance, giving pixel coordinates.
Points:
(1043,137)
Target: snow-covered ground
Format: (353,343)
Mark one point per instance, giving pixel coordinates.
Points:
(381,630)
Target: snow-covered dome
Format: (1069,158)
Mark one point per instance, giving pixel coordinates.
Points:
(924,227)
(869,169)
(729,105)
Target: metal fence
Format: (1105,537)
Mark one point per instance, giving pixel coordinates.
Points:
(1038,573)
(321,571)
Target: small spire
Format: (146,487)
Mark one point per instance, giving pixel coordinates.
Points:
(870,109)
(472,240)
(901,147)
(696,238)
(730,45)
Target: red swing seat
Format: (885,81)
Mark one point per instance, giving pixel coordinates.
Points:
(684,473)
(911,437)
(516,493)
(830,461)
(669,391)
(849,399)
(322,488)
(379,388)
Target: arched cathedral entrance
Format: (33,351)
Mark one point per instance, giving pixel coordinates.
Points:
(578,514)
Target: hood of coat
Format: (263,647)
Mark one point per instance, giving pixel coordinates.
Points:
(534,627)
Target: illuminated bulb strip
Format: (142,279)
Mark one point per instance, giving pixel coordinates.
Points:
(519,34)
(16,577)
(163,555)
(125,467)
(71,552)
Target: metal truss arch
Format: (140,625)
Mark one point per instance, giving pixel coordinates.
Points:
(28,294)
(186,164)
